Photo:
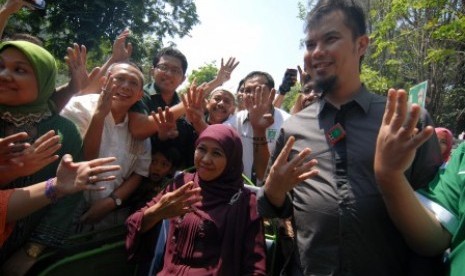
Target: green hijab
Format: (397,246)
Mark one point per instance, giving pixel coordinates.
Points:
(45,70)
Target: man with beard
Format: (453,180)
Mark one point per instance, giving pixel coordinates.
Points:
(341,223)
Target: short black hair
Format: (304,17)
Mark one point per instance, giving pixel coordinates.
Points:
(269,81)
(354,16)
(241,83)
(172,52)
(171,153)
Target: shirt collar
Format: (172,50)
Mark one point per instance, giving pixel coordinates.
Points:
(362,98)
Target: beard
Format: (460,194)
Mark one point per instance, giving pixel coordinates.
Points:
(325,86)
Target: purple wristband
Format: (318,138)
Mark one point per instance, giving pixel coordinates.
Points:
(50,191)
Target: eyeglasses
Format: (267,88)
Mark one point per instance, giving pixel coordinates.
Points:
(172,70)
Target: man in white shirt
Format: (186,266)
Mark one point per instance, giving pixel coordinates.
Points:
(259,124)
(102,120)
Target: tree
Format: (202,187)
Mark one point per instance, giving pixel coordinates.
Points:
(204,73)
(96,23)
(413,41)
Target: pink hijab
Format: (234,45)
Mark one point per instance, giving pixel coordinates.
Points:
(444,133)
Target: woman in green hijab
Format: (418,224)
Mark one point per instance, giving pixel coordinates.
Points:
(27,82)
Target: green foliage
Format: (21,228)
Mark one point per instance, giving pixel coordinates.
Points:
(96,23)
(291,97)
(205,73)
(413,41)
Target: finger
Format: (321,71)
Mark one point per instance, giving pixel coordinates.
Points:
(100,161)
(185,101)
(271,96)
(13,138)
(390,106)
(129,48)
(49,160)
(234,66)
(43,138)
(49,151)
(103,169)
(156,120)
(93,188)
(160,117)
(169,115)
(422,137)
(52,141)
(308,175)
(299,159)
(284,155)
(183,189)
(83,55)
(102,179)
(411,124)
(401,110)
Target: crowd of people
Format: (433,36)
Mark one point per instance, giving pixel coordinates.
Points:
(360,184)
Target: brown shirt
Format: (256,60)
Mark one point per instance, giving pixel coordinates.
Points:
(341,224)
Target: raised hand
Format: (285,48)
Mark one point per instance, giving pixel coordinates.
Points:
(285,175)
(224,74)
(81,81)
(11,148)
(122,51)
(106,98)
(177,203)
(398,137)
(193,102)
(259,105)
(303,76)
(39,155)
(74,177)
(165,123)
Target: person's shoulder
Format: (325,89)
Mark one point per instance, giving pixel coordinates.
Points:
(236,118)
(284,114)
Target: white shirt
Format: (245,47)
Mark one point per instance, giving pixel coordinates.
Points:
(134,156)
(241,123)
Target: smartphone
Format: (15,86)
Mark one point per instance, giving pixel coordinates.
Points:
(35,4)
(291,72)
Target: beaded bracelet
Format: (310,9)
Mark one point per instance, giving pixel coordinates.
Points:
(259,139)
(50,190)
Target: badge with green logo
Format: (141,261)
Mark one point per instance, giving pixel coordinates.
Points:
(335,134)
(271,134)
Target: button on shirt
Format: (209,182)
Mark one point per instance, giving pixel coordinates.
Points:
(132,155)
(341,224)
(241,123)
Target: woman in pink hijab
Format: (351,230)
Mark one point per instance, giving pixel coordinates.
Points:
(214,226)
(446,140)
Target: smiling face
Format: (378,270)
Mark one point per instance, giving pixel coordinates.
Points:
(128,82)
(209,159)
(220,106)
(168,74)
(18,82)
(333,55)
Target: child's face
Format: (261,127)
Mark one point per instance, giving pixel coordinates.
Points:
(18,82)
(160,167)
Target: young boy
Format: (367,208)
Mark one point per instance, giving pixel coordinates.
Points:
(165,162)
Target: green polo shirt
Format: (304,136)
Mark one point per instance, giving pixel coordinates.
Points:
(445,197)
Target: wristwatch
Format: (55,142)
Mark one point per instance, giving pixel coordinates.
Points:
(117,200)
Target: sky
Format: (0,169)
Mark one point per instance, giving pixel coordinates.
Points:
(263,35)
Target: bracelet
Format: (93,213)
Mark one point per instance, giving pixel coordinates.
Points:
(50,190)
(259,139)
